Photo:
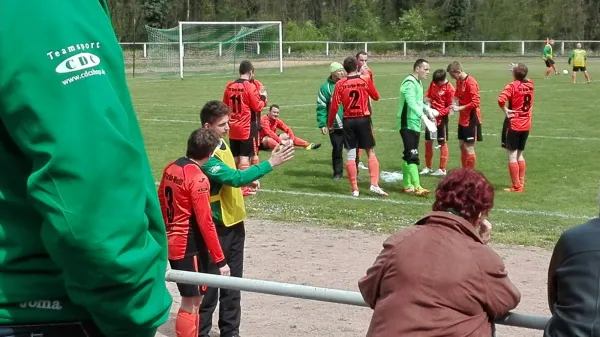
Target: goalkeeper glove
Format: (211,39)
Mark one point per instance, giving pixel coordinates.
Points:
(431,127)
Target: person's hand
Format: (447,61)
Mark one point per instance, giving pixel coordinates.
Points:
(254,185)
(456,108)
(324,130)
(263,92)
(281,154)
(509,113)
(485,230)
(225,270)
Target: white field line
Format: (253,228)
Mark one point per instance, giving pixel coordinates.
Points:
(418,203)
(376,129)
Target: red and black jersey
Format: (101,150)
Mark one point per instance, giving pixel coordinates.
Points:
(353,92)
(441,99)
(184,195)
(467,92)
(519,97)
(245,104)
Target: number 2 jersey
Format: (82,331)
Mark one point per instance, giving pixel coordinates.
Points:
(245,104)
(353,92)
(519,97)
(184,195)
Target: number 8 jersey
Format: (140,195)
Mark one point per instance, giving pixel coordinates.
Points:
(519,97)
(245,104)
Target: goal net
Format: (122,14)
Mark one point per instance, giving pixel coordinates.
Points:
(214,47)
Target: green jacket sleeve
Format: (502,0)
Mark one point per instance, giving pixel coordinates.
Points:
(66,105)
(219,172)
(571,57)
(323,99)
(409,91)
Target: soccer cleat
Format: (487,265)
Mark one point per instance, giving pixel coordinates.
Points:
(355,193)
(378,190)
(313,146)
(512,189)
(408,190)
(421,192)
(426,170)
(439,173)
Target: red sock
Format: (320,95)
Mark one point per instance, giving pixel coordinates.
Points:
(463,159)
(470,161)
(513,169)
(185,324)
(352,173)
(444,156)
(300,142)
(428,153)
(271,143)
(522,169)
(374,170)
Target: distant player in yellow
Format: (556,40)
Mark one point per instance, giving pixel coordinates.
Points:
(548,58)
(579,59)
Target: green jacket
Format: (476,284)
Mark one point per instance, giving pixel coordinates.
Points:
(81,230)
(323,104)
(411,104)
(220,174)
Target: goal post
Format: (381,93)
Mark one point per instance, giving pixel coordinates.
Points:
(202,47)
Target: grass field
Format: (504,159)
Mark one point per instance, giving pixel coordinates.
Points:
(562,150)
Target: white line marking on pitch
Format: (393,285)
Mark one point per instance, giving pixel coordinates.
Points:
(417,203)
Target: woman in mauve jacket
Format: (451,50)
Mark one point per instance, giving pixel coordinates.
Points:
(439,277)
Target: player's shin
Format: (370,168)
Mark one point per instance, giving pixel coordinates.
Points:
(522,169)
(300,142)
(352,169)
(407,181)
(443,156)
(374,169)
(428,153)
(413,170)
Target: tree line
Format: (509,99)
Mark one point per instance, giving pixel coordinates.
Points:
(374,20)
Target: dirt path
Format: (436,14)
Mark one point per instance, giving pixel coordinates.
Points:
(337,259)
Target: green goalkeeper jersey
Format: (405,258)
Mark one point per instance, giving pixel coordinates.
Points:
(81,230)
(411,104)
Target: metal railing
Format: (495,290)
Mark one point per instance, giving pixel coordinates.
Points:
(319,294)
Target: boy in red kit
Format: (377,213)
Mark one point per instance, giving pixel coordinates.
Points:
(467,100)
(439,96)
(269,139)
(516,101)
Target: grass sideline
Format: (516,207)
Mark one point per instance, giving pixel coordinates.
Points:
(562,151)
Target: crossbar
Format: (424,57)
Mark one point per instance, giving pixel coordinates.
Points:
(319,294)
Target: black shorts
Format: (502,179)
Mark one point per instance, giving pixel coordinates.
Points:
(471,133)
(513,140)
(579,69)
(410,139)
(358,133)
(189,263)
(549,62)
(442,132)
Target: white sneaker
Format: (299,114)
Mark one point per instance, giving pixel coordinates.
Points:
(439,173)
(378,190)
(355,193)
(362,166)
(426,170)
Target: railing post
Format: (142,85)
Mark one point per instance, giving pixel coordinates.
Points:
(562,48)
(327,48)
(145,51)
(443,47)
(366,47)
(482,47)
(522,47)
(257,48)
(405,48)
(220,49)
(289,50)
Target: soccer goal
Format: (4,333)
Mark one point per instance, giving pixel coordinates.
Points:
(214,47)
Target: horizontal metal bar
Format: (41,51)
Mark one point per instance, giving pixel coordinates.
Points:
(319,294)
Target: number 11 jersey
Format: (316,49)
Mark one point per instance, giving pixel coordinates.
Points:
(245,104)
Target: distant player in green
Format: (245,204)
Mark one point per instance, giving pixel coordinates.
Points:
(412,112)
(579,58)
(548,59)
(83,246)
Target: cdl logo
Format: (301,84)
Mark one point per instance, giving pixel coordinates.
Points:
(78,62)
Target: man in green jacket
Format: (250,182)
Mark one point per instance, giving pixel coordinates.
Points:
(337,135)
(410,115)
(229,213)
(82,240)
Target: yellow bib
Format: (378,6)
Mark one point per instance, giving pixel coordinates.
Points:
(233,209)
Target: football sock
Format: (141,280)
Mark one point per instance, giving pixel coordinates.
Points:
(443,156)
(463,159)
(470,160)
(406,175)
(414,175)
(185,324)
(522,169)
(300,142)
(513,169)
(374,170)
(428,154)
(352,173)
(272,143)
